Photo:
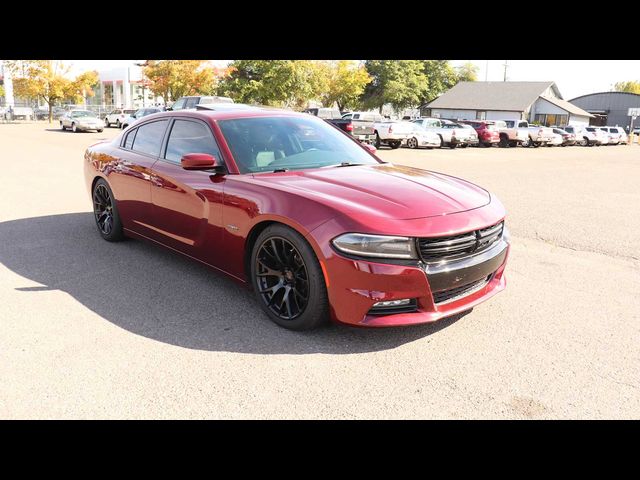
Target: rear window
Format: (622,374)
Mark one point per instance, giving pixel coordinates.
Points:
(614,130)
(510,123)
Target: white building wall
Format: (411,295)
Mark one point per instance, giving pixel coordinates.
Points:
(543,106)
(503,115)
(578,120)
(458,114)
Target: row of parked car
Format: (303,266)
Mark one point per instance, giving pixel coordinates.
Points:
(438,132)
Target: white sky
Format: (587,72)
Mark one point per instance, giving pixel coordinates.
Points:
(573,77)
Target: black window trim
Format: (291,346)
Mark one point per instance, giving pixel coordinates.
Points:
(165,140)
(164,137)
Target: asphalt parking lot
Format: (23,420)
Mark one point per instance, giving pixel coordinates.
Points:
(90,329)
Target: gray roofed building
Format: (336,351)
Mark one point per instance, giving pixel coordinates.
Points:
(610,108)
(534,101)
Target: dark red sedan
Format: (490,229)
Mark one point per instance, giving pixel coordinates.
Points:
(309,218)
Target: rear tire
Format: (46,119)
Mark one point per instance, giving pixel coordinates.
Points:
(105,212)
(377,143)
(106,122)
(74,129)
(412,143)
(395,144)
(293,269)
(63,127)
(118,123)
(504,141)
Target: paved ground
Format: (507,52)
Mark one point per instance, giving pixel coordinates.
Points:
(95,330)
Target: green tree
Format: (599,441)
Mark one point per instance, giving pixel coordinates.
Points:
(630,87)
(172,79)
(346,83)
(467,72)
(1,91)
(288,83)
(44,79)
(401,83)
(441,77)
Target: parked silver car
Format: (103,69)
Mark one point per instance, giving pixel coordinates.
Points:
(81,121)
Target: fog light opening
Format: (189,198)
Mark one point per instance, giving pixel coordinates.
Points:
(393,303)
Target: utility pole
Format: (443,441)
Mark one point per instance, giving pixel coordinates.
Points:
(144,81)
(486,72)
(505,65)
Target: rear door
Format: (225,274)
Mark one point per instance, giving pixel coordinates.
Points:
(132,174)
(187,204)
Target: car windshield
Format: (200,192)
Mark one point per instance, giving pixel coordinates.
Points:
(82,113)
(265,144)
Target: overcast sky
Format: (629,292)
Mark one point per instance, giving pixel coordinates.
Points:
(573,77)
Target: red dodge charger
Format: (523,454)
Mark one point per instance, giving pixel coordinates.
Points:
(310,219)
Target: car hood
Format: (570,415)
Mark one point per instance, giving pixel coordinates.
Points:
(385,190)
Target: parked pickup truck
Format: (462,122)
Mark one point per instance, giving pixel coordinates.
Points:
(511,134)
(393,133)
(360,129)
(537,135)
(451,133)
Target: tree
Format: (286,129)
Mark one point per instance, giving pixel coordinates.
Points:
(630,87)
(467,72)
(1,91)
(441,77)
(43,79)
(401,83)
(172,79)
(77,90)
(287,83)
(346,83)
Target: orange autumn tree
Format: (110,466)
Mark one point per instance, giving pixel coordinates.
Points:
(172,79)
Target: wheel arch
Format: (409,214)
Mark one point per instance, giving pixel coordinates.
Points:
(267,221)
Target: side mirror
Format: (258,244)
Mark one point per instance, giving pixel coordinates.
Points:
(370,147)
(199,161)
(168,109)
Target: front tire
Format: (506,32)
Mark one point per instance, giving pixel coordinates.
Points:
(63,127)
(106,122)
(378,143)
(412,143)
(118,123)
(395,145)
(105,212)
(287,279)
(74,129)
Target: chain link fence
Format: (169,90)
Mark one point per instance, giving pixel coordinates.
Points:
(23,112)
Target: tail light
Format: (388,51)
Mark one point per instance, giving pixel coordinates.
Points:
(349,127)
(390,129)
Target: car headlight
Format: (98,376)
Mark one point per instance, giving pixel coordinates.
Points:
(379,246)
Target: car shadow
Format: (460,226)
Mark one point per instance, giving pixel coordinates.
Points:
(164,296)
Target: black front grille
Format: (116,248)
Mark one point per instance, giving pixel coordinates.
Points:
(458,292)
(458,246)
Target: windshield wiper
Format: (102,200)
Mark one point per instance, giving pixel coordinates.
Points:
(279,170)
(349,164)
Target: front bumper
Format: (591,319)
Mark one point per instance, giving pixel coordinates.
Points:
(354,286)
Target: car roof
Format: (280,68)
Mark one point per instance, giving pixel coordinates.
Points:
(226,111)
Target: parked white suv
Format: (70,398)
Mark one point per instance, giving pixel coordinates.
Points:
(617,135)
(583,136)
(116,117)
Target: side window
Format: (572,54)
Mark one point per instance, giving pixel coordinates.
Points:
(189,137)
(191,102)
(179,105)
(149,137)
(522,125)
(356,116)
(128,141)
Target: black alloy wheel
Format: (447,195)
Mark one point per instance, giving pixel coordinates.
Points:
(288,280)
(106,213)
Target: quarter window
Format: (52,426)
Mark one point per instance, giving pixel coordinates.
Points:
(149,137)
(189,137)
(128,141)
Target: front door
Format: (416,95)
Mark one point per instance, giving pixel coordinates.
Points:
(187,204)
